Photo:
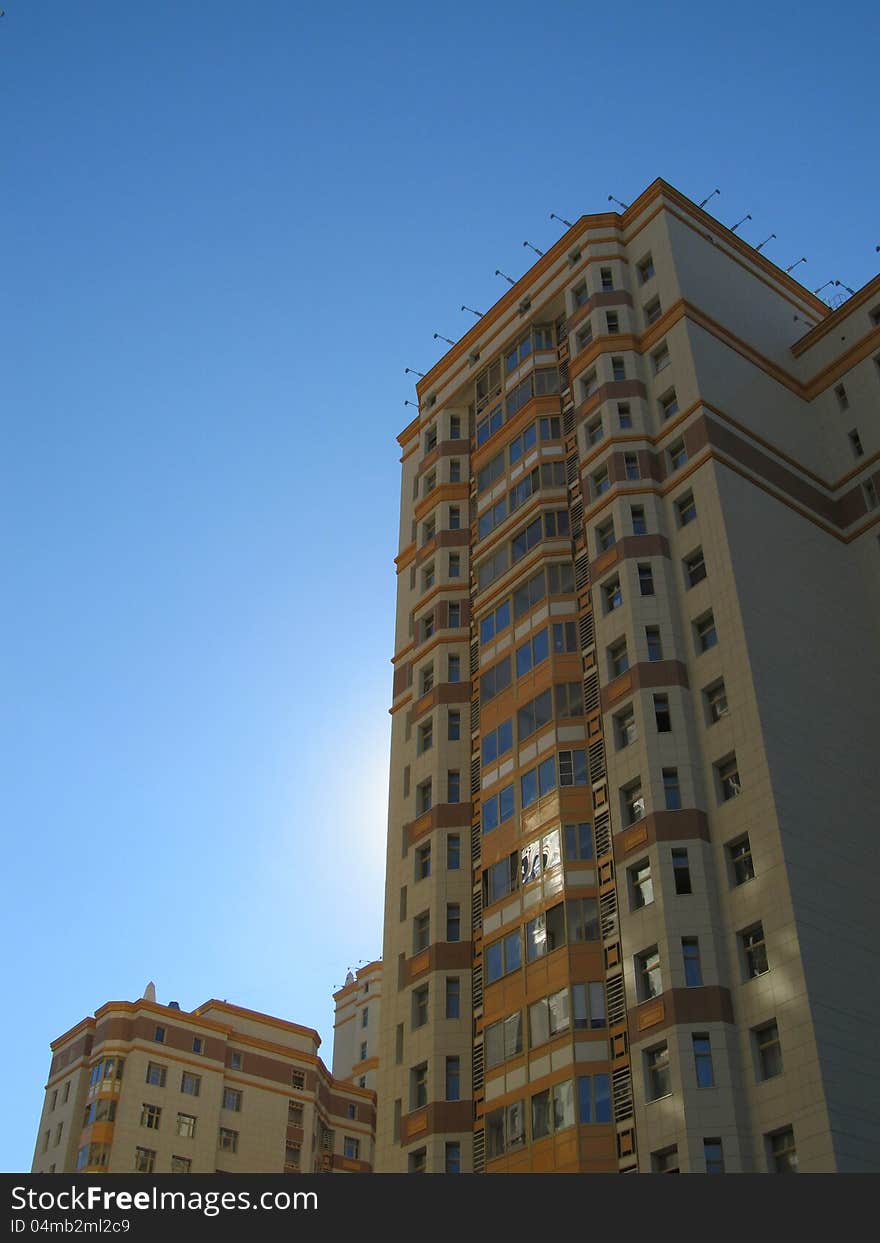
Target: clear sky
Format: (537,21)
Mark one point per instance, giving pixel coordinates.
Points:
(225,230)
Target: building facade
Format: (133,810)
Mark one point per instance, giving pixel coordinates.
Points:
(356,1027)
(146,1088)
(631,860)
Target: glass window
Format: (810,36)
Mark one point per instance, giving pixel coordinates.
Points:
(658,1078)
(705,1073)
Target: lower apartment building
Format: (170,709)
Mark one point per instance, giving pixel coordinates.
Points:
(356,1026)
(152,1089)
(631,864)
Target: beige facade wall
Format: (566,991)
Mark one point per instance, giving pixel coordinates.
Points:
(356,1027)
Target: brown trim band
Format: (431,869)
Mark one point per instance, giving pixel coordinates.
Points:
(709,1004)
(643,676)
(628,548)
(662,826)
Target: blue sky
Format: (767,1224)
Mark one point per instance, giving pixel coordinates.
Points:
(226,229)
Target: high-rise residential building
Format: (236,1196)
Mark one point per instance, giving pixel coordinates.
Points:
(146,1088)
(632,854)
(356,1026)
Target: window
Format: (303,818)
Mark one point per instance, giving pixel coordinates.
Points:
(645,269)
(639,526)
(625,727)
(455,470)
(618,661)
(695,568)
(856,443)
(658,1079)
(600,482)
(588,1005)
(150,1116)
(454,517)
(453,854)
(681,871)
(54,1100)
(646,580)
(662,718)
(782,1152)
(232,1099)
(159,1036)
(186,1125)
(156,1074)
(690,952)
(870,492)
(594,1098)
(365,1016)
(497,742)
(633,802)
(686,510)
(235,1060)
(453,1079)
(453,786)
(402,903)
(454,565)
(641,885)
(715,697)
(495,680)
(426,679)
(605,536)
(612,322)
(504,1039)
(363,1051)
(668,405)
(565,637)
(454,427)
(548,1017)
(631,466)
(583,919)
(665,1161)
(618,369)
(421,932)
(453,921)
(453,1158)
(453,615)
(66,1097)
(578,842)
(503,956)
(677,455)
(537,782)
(739,854)
(842,399)
(417,1162)
(190,1084)
(655,647)
(431,438)
(728,778)
(660,359)
(495,622)
(607,279)
(652,311)
(292,1154)
(423,797)
(497,809)
(181,1165)
(595,431)
(453,997)
(671,789)
(714,1156)
(501,878)
(648,980)
(583,336)
(398,1044)
(418,1086)
(768,1051)
(351,1148)
(144,1160)
(227,1140)
(423,862)
(505,1129)
(611,595)
(703,1068)
(429,527)
(453,725)
(351,1111)
(428,577)
(706,635)
(532,652)
(545,933)
(624,415)
(754,951)
(454,668)
(426,735)
(298,1080)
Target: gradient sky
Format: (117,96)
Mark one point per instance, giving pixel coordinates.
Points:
(225,230)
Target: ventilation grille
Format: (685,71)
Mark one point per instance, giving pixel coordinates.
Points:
(577,519)
(475,716)
(568,421)
(475,775)
(475,658)
(479,1152)
(596,753)
(478,1068)
(616,1000)
(621,1094)
(608,915)
(477,987)
(571,468)
(582,571)
(603,835)
(477,909)
(588,631)
(476,844)
(591,692)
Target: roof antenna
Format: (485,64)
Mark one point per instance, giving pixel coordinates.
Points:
(612,199)
(765,241)
(479,314)
(709,196)
(561,219)
(734,227)
(410,371)
(510,279)
(803,259)
(534,248)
